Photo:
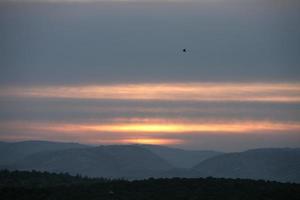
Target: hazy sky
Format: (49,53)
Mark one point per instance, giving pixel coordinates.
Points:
(113,72)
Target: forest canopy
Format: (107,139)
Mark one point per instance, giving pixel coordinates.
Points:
(43,185)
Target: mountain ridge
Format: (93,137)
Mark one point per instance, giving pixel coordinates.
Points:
(144,161)
(280,164)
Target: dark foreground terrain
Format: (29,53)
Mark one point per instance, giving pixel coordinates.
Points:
(46,186)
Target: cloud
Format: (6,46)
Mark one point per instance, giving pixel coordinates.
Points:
(157,113)
(183,133)
(197,91)
(153,126)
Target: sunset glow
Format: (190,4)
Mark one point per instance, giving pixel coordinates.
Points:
(150,123)
(241,92)
(244,127)
(154,141)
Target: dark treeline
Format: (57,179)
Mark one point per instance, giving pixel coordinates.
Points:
(49,186)
(36,179)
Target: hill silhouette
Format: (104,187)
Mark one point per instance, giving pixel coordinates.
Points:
(127,161)
(269,164)
(145,161)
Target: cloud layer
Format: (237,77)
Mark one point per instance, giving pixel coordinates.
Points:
(156,113)
(252,92)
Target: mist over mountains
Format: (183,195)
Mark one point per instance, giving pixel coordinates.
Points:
(144,161)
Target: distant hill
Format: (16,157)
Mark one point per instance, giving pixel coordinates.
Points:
(269,164)
(128,161)
(180,158)
(143,161)
(13,152)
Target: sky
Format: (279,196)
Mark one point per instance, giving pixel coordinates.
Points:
(113,72)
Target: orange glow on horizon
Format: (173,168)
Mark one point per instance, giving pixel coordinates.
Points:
(155,141)
(248,92)
(242,127)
